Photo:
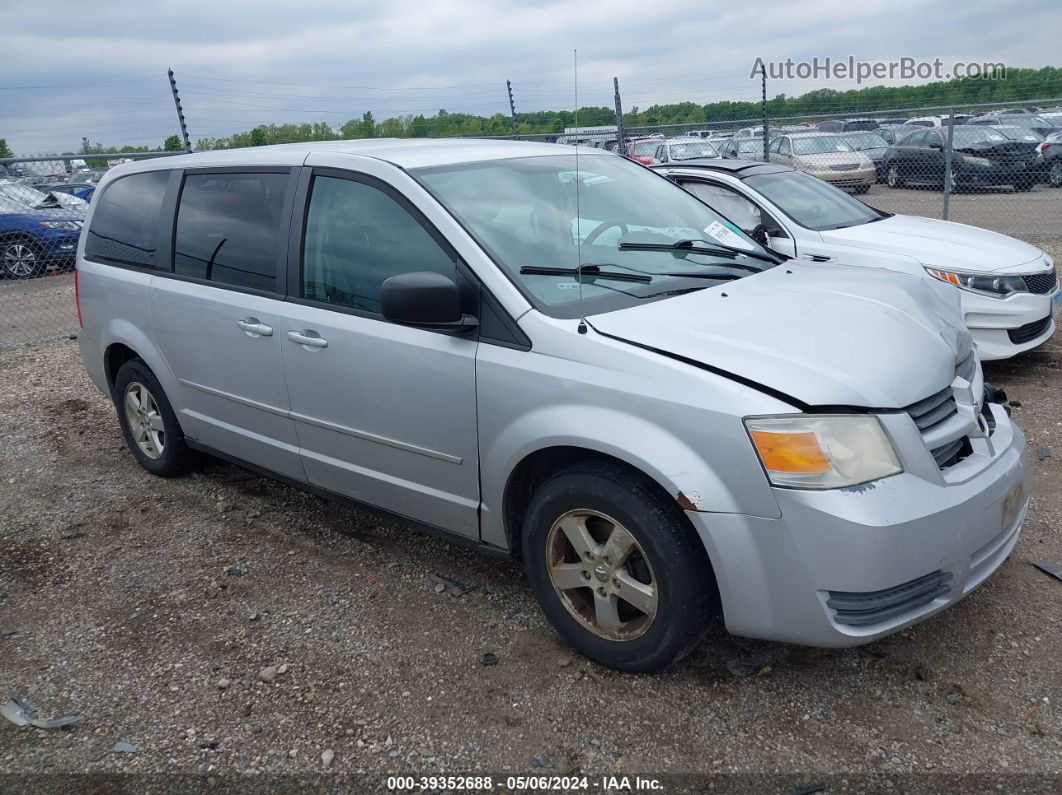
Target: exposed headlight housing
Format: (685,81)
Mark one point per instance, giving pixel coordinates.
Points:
(70,226)
(976,161)
(828,451)
(985,283)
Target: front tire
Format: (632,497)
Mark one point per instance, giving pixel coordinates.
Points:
(893,177)
(616,567)
(148,423)
(21,259)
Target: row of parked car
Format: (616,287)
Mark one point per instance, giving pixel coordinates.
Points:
(590,367)
(1014,149)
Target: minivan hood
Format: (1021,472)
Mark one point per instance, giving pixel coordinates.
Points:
(940,244)
(817,334)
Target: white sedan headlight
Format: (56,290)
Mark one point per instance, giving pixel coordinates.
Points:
(807,451)
(984,283)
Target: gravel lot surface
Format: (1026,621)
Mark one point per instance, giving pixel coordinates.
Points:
(224,624)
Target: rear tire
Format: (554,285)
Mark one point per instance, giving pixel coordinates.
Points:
(148,423)
(21,259)
(1054,174)
(631,543)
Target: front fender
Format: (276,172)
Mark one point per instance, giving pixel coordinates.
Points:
(649,447)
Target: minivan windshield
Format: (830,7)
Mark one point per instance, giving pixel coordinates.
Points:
(528,215)
(811,202)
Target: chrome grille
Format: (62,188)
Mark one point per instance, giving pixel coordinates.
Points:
(844,167)
(934,410)
(1041,283)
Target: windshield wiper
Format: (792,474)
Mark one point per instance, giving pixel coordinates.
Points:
(589,271)
(719,249)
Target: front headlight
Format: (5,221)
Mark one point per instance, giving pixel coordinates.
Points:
(70,226)
(806,451)
(984,283)
(976,161)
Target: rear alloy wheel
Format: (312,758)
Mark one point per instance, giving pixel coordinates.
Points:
(148,423)
(893,177)
(1054,174)
(617,568)
(21,259)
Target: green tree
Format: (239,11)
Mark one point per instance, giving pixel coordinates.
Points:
(5,150)
(368,125)
(172,144)
(258,136)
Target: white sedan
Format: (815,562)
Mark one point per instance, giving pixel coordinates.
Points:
(1010,293)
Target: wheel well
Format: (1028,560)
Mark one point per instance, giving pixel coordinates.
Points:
(117,355)
(538,467)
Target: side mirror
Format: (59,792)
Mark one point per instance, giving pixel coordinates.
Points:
(426,299)
(936,145)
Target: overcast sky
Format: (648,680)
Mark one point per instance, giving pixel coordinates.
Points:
(99,69)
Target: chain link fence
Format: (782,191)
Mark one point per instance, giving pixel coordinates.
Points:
(998,167)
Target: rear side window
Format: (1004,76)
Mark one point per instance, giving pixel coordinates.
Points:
(125,223)
(357,237)
(228,227)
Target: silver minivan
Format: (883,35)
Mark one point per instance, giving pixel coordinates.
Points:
(560,355)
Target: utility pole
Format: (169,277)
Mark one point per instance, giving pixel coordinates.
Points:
(619,117)
(763,105)
(948,176)
(180,113)
(512,108)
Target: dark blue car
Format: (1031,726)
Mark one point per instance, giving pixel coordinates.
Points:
(35,232)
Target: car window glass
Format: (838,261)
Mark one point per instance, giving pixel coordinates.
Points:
(227,228)
(817,145)
(727,202)
(785,147)
(357,237)
(550,212)
(125,223)
(690,151)
(811,202)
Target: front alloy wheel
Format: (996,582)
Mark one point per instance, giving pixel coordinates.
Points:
(21,260)
(618,569)
(601,575)
(894,180)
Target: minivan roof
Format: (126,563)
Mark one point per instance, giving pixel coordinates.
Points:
(402,152)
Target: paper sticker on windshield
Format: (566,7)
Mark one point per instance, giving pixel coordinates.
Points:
(727,236)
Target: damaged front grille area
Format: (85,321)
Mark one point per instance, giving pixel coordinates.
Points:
(859,609)
(937,419)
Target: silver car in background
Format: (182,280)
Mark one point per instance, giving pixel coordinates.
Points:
(567,359)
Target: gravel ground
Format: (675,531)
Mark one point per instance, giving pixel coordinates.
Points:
(231,627)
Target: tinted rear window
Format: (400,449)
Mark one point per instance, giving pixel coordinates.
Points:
(126,219)
(227,228)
